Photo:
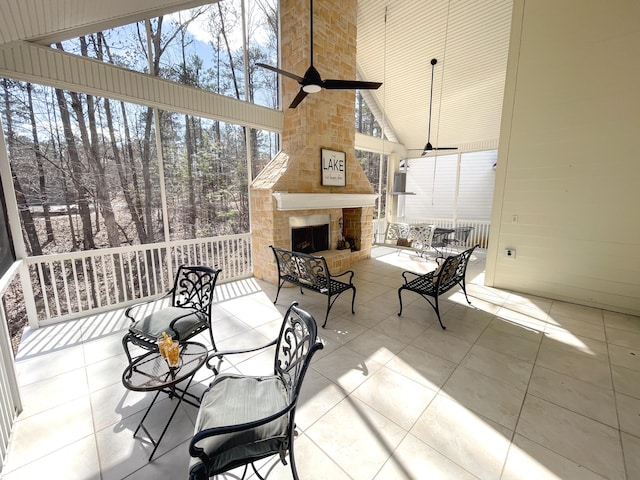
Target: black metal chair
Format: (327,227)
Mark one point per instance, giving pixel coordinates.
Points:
(433,284)
(243,419)
(460,236)
(188,315)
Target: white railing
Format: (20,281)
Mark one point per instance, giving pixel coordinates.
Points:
(479,235)
(71,285)
(10,403)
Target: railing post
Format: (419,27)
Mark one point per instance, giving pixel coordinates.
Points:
(29,298)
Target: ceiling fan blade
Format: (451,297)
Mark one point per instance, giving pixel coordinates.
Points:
(299,97)
(281,72)
(350,85)
(445,148)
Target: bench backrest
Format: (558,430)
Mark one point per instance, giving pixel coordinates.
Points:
(304,268)
(415,236)
(452,270)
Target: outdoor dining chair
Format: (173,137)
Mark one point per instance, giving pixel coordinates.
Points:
(189,313)
(244,418)
(460,236)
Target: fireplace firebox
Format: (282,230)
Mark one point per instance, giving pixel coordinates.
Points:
(310,233)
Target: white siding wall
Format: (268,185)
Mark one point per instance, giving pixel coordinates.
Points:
(568,157)
(436,196)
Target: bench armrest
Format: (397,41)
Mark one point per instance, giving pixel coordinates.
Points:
(407,280)
(349,272)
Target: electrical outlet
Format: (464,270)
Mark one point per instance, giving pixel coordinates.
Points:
(510,252)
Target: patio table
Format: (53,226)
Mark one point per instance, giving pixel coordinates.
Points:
(151,373)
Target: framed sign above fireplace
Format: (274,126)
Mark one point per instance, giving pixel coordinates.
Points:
(334,168)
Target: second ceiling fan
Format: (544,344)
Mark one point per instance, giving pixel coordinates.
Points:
(428,147)
(311,82)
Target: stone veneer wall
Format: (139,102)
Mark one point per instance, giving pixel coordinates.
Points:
(323,120)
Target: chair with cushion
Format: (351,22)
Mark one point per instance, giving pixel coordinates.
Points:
(243,418)
(188,315)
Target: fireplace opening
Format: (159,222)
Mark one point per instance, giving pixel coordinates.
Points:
(311,239)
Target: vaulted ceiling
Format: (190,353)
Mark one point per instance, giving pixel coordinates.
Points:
(396,42)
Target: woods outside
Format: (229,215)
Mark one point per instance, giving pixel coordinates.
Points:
(91,172)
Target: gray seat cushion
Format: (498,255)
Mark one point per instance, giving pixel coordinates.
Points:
(233,400)
(157,322)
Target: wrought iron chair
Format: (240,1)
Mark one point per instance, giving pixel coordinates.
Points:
(243,419)
(188,314)
(433,284)
(460,236)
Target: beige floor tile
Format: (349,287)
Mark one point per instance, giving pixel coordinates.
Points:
(413,459)
(114,403)
(53,391)
(508,344)
(465,329)
(486,396)
(561,339)
(442,343)
(312,463)
(577,327)
(173,464)
(589,368)
(623,338)
(423,367)
(403,400)
(593,444)
(376,346)
(529,461)
(498,366)
(621,321)
(341,330)
(106,372)
(121,454)
(356,437)
(626,381)
(625,356)
(401,328)
(529,329)
(346,368)
(102,348)
(629,413)
(471,441)
(34,368)
(588,314)
(631,447)
(317,397)
(44,433)
(576,395)
(56,465)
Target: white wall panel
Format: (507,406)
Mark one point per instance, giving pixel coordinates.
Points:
(568,164)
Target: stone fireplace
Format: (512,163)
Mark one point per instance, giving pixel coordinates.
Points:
(290,186)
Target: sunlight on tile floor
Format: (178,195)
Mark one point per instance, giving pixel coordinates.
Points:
(516,387)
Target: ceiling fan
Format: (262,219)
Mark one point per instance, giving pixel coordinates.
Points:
(311,82)
(428,147)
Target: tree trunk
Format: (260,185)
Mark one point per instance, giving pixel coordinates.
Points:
(46,211)
(76,171)
(33,242)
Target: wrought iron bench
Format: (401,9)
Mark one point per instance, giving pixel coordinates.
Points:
(403,236)
(444,278)
(311,272)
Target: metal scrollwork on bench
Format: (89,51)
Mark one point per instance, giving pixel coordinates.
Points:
(312,273)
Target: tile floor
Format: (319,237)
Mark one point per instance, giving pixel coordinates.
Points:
(517,387)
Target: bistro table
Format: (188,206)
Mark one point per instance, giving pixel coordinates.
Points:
(151,373)
(439,235)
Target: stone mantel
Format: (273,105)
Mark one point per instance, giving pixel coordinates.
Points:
(313,201)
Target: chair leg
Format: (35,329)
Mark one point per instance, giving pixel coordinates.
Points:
(326,317)
(353,299)
(464,289)
(436,307)
(400,298)
(125,346)
(278,292)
